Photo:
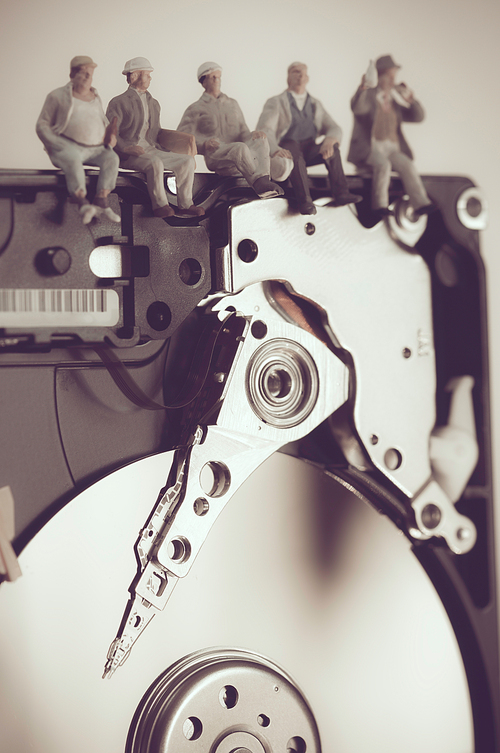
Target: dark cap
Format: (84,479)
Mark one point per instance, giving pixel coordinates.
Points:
(385,62)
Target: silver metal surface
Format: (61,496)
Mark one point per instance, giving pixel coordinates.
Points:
(442,520)
(222,456)
(224,701)
(472,209)
(376,300)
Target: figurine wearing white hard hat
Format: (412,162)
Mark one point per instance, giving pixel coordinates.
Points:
(223,137)
(377,143)
(75,132)
(138,130)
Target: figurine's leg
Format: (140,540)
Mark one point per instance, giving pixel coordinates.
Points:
(381,165)
(281,167)
(183,167)
(250,159)
(338,182)
(411,180)
(153,168)
(259,149)
(298,176)
(108,162)
(69,158)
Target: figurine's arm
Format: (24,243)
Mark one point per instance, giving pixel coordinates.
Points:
(414,113)
(189,123)
(116,110)
(44,126)
(361,103)
(326,125)
(268,123)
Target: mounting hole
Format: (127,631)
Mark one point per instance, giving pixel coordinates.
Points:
(263,720)
(278,383)
(192,728)
(159,316)
(228,697)
(179,549)
(406,353)
(190,271)
(215,479)
(247,250)
(296,745)
(201,506)
(393,459)
(373,439)
(310,228)
(259,329)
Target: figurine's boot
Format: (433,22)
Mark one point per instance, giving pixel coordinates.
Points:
(102,202)
(265,188)
(338,182)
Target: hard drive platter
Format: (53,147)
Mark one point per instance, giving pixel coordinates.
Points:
(298,576)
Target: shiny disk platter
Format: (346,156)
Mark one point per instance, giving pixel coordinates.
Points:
(296,569)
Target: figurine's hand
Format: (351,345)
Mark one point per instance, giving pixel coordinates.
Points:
(135,151)
(363,85)
(112,141)
(211,145)
(405,92)
(326,148)
(282,153)
(258,135)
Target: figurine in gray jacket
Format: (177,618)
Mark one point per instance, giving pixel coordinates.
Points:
(223,137)
(138,122)
(75,132)
(292,122)
(377,139)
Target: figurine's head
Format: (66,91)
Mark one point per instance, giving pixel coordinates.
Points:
(387,71)
(138,73)
(81,70)
(209,75)
(297,77)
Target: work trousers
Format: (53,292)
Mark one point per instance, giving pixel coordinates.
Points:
(71,157)
(250,159)
(153,163)
(384,157)
(306,153)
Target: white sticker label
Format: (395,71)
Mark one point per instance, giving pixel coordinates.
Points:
(42,307)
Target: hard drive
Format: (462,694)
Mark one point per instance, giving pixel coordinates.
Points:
(293,476)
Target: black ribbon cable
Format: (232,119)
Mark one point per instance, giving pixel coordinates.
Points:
(195,380)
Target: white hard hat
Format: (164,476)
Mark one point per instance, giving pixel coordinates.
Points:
(208,68)
(137,64)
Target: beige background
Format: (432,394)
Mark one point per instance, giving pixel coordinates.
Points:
(387,668)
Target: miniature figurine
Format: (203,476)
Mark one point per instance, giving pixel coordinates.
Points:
(292,121)
(223,137)
(138,125)
(377,140)
(75,132)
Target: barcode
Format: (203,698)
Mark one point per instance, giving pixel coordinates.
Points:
(43,307)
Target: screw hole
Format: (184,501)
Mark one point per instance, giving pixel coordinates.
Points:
(201,506)
(393,459)
(310,228)
(228,697)
(263,720)
(259,329)
(190,271)
(215,479)
(431,516)
(179,550)
(296,745)
(247,250)
(192,728)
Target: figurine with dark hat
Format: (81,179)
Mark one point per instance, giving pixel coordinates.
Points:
(75,132)
(377,141)
(137,117)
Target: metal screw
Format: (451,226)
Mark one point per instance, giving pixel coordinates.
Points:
(463,534)
(310,228)
(219,377)
(431,516)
